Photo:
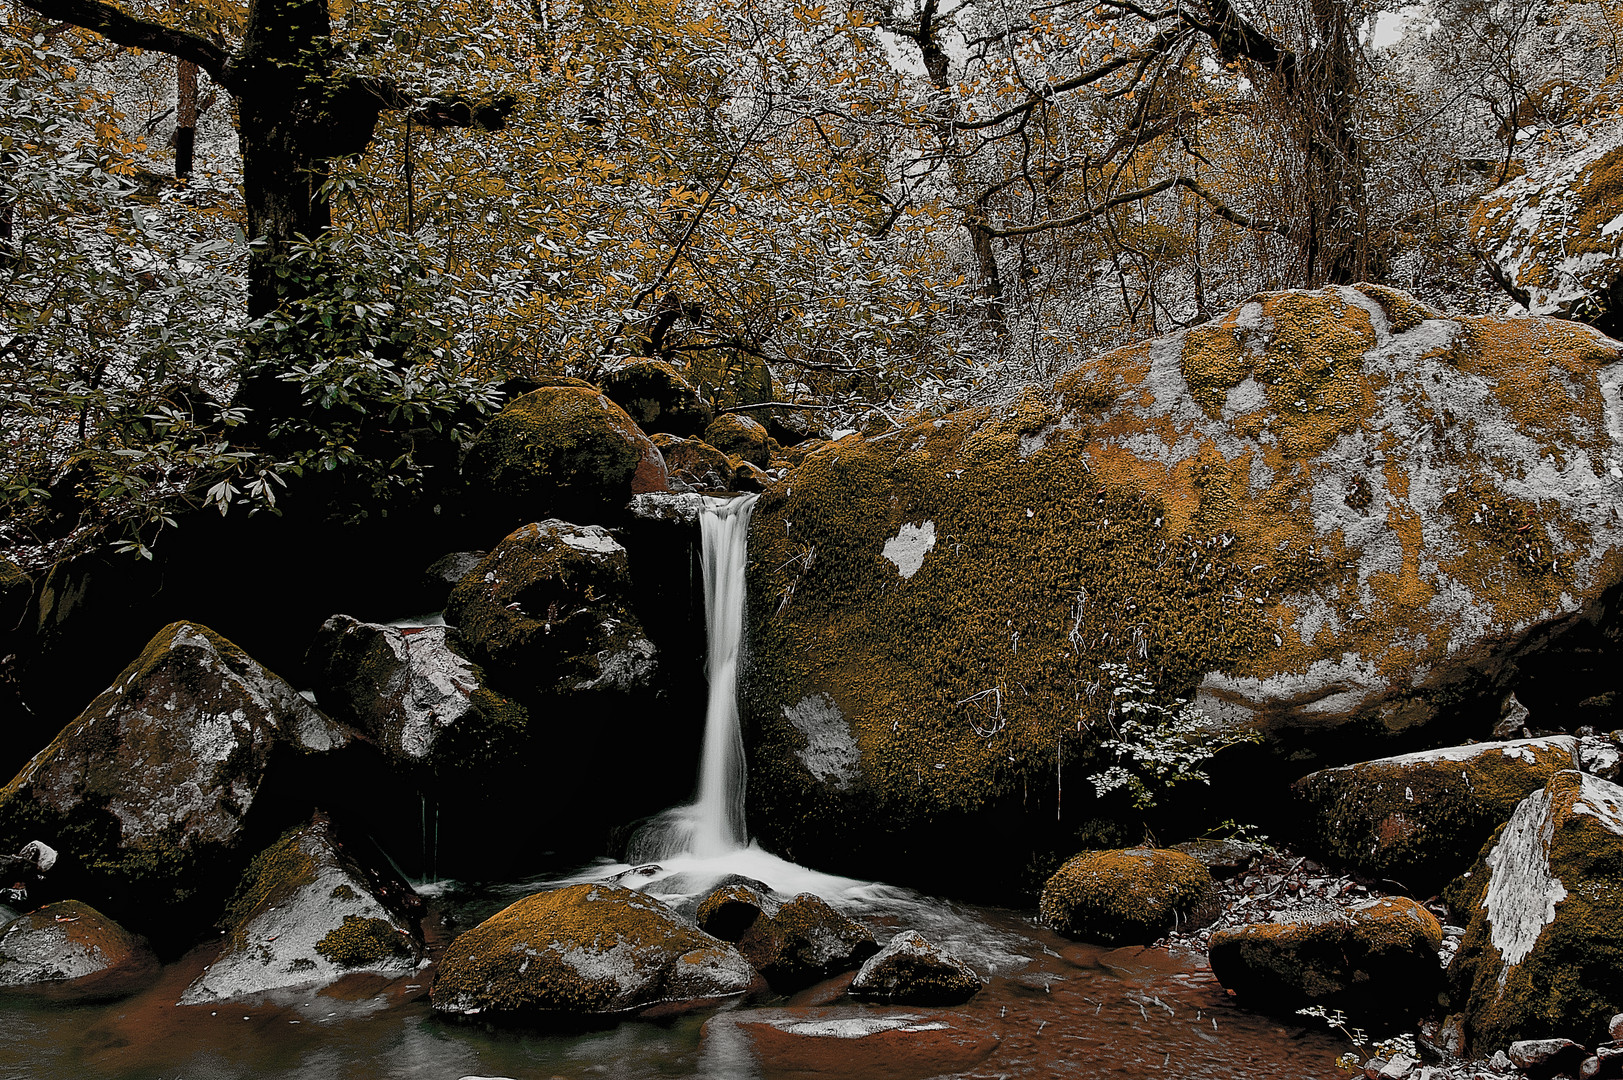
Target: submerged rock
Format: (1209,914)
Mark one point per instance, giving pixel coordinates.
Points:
(306,914)
(793,943)
(655,395)
(549,609)
(1420,818)
(584,950)
(1125,897)
(845,1041)
(1330,515)
(560,450)
(1542,955)
(911,971)
(146,794)
(416,693)
(71,949)
(1377,959)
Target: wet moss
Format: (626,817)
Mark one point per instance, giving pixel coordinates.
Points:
(360,941)
(272,878)
(1123,897)
(739,436)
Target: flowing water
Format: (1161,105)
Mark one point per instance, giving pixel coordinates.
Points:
(1051,1007)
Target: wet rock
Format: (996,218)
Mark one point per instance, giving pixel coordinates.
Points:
(72,950)
(308,913)
(1544,1058)
(696,462)
(1602,755)
(1377,959)
(843,1042)
(548,611)
(442,575)
(739,436)
(1222,858)
(668,508)
(1614,1027)
(1123,897)
(1606,1064)
(1420,818)
(146,794)
(564,450)
(416,693)
(747,477)
(793,943)
(582,951)
(911,971)
(1340,597)
(656,396)
(1542,955)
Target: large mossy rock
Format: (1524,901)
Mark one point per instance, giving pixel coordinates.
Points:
(582,951)
(793,943)
(1125,897)
(1542,954)
(1376,961)
(1420,818)
(549,611)
(69,949)
(739,436)
(655,395)
(148,795)
(307,913)
(565,451)
(1339,516)
(1553,232)
(909,970)
(414,690)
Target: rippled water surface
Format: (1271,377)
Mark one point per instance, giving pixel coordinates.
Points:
(1052,1008)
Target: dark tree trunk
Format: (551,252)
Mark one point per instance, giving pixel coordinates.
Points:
(185,117)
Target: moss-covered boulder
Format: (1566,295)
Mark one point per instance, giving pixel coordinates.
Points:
(69,949)
(909,970)
(549,612)
(562,450)
(1542,954)
(696,462)
(1420,818)
(655,395)
(307,913)
(414,690)
(1553,233)
(793,943)
(147,795)
(1377,960)
(738,436)
(1129,896)
(1330,515)
(585,950)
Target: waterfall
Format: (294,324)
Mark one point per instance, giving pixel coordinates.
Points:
(713,824)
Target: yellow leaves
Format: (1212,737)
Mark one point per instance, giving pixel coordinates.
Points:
(810,16)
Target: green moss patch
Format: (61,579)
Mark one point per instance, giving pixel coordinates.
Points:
(360,942)
(1129,896)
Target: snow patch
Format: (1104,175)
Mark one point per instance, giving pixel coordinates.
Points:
(909,546)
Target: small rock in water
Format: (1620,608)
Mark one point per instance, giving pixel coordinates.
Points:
(911,971)
(792,943)
(1540,1058)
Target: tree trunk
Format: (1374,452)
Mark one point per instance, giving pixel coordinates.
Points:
(185,117)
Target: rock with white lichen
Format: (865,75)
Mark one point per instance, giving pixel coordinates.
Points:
(1420,818)
(1542,955)
(585,950)
(149,793)
(70,950)
(1339,516)
(910,970)
(307,913)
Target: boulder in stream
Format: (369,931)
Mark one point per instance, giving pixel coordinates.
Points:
(909,970)
(70,950)
(1128,896)
(1374,960)
(1542,955)
(738,436)
(582,951)
(658,398)
(308,913)
(793,943)
(1420,818)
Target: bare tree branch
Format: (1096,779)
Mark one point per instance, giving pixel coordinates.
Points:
(1138,195)
(126,30)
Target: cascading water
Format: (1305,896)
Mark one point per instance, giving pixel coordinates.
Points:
(713,824)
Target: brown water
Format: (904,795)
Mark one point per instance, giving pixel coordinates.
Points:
(1053,1008)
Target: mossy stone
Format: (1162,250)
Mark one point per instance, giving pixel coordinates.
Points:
(1128,896)
(695,460)
(1542,955)
(738,436)
(910,970)
(566,451)
(792,942)
(1376,961)
(70,950)
(658,398)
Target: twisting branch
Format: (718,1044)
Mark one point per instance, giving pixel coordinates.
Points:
(123,29)
(1138,195)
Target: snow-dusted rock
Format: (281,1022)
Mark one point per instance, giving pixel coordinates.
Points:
(70,948)
(585,950)
(1420,818)
(792,942)
(306,914)
(145,794)
(1556,232)
(414,692)
(1542,955)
